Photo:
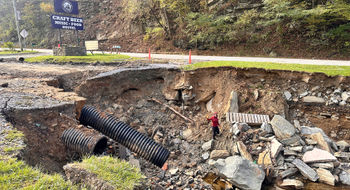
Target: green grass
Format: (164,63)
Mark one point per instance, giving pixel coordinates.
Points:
(328,70)
(13,134)
(120,174)
(16,174)
(106,58)
(16,52)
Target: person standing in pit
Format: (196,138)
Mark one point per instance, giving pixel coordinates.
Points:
(215,124)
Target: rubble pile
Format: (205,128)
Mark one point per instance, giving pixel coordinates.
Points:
(282,153)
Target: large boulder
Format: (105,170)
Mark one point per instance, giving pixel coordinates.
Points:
(282,128)
(241,172)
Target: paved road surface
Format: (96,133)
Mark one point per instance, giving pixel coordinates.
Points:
(252,59)
(184,58)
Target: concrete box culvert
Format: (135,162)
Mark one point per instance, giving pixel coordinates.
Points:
(84,141)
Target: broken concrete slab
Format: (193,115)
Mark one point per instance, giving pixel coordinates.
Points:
(215,154)
(318,155)
(276,148)
(313,100)
(243,151)
(325,176)
(288,172)
(305,170)
(282,128)
(242,173)
(292,183)
(320,141)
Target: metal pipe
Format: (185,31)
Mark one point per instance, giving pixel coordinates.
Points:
(125,135)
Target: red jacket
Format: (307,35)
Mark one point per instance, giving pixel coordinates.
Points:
(214,120)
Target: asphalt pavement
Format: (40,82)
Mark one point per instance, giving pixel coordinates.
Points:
(196,58)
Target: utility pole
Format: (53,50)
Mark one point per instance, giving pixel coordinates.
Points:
(17,25)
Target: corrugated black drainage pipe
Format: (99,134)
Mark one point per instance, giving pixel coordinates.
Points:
(84,141)
(125,135)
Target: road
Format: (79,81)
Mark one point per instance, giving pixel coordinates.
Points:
(196,58)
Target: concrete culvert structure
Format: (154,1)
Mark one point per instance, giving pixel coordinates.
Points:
(84,142)
(125,135)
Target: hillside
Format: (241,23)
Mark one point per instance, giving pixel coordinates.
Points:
(284,28)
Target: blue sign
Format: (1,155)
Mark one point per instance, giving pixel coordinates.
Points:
(66,6)
(67,22)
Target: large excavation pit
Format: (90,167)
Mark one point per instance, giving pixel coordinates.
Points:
(170,106)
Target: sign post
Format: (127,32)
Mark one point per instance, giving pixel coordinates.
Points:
(24,34)
(17,25)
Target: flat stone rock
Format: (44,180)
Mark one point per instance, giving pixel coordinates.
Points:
(328,166)
(187,134)
(320,141)
(292,183)
(287,95)
(294,140)
(243,151)
(344,178)
(241,172)
(288,152)
(305,170)
(215,154)
(173,171)
(288,172)
(296,148)
(233,103)
(311,142)
(282,128)
(318,155)
(306,131)
(343,145)
(208,145)
(325,176)
(267,128)
(276,148)
(265,158)
(313,100)
(205,156)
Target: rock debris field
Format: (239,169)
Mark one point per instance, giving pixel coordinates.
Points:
(303,142)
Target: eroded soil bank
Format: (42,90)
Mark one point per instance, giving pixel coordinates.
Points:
(43,103)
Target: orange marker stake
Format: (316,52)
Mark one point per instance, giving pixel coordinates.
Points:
(189,59)
(149,54)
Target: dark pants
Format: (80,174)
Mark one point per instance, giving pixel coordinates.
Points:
(215,131)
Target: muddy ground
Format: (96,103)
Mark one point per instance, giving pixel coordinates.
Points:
(43,100)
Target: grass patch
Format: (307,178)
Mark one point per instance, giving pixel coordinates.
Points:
(16,52)
(16,174)
(14,134)
(120,174)
(11,149)
(106,58)
(328,70)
